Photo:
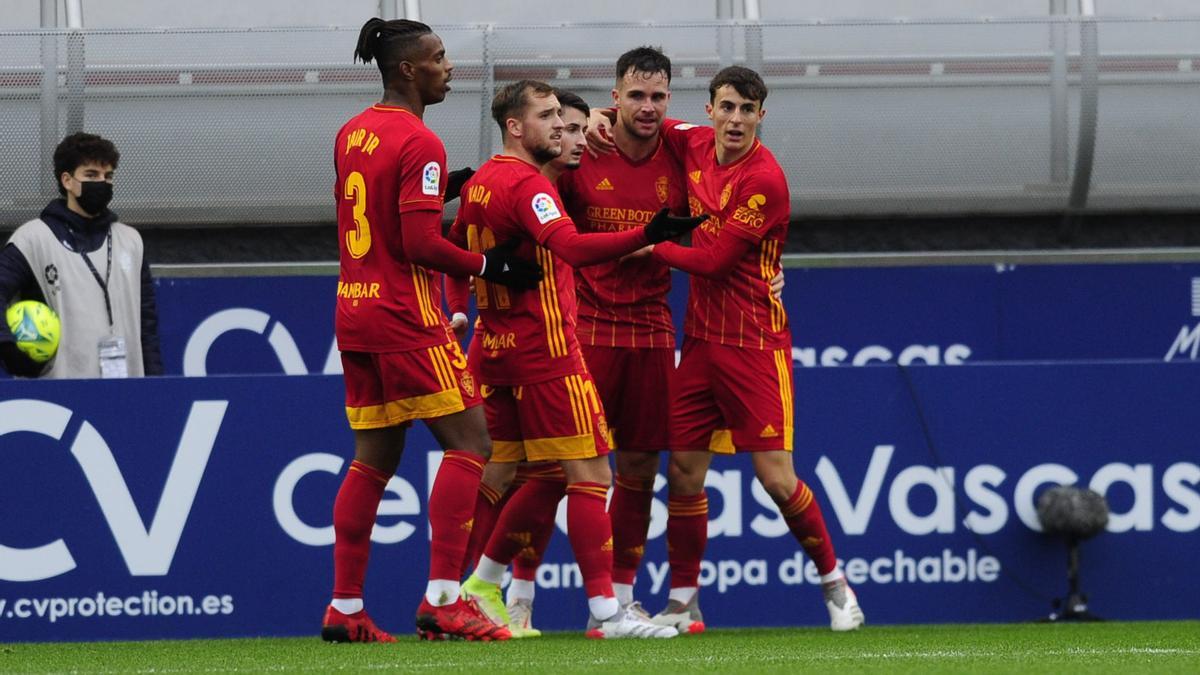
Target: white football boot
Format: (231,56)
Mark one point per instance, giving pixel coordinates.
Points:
(686,619)
(844,612)
(627,623)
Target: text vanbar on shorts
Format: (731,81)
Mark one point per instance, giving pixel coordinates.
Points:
(394,388)
(729,398)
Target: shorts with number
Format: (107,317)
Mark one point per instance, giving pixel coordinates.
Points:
(394,388)
(731,399)
(635,388)
(557,419)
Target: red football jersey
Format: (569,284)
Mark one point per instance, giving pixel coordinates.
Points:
(524,336)
(623,303)
(747,199)
(388,164)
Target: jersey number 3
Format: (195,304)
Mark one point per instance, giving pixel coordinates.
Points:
(358,240)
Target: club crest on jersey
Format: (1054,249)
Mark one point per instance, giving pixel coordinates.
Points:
(662,187)
(605,432)
(544,208)
(468,383)
(725,194)
(431,179)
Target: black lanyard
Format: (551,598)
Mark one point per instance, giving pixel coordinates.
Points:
(107,273)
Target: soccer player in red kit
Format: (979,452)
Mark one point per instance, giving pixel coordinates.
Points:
(400,360)
(525,522)
(625,327)
(540,399)
(736,369)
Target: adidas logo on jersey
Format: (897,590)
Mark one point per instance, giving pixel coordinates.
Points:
(604,185)
(695,176)
(768,432)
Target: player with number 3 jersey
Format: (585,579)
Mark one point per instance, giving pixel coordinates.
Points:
(400,360)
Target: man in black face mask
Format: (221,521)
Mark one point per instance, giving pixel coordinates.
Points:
(89,268)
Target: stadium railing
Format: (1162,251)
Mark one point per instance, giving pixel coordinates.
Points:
(867,117)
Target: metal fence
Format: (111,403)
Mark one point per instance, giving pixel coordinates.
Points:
(867,117)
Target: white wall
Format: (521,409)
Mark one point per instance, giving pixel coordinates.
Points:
(25,14)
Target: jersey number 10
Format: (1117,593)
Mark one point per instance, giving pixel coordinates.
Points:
(479,239)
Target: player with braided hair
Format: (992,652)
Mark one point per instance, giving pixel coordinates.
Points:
(399,356)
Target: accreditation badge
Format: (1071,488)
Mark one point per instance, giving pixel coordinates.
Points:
(114,362)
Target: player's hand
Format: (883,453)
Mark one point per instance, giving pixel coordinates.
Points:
(664,226)
(503,267)
(17,362)
(777,286)
(599,133)
(643,252)
(454,182)
(458,324)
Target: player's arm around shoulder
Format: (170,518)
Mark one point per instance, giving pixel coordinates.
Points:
(679,135)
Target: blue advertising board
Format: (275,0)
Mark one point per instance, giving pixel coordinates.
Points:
(191,507)
(839,316)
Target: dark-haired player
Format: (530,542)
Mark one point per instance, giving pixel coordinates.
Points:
(625,325)
(401,361)
(540,399)
(736,368)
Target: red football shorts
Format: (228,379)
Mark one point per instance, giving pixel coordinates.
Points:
(732,398)
(394,388)
(635,388)
(553,420)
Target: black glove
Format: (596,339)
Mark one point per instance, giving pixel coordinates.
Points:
(17,362)
(664,226)
(505,268)
(454,182)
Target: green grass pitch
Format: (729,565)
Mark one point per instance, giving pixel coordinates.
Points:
(1125,648)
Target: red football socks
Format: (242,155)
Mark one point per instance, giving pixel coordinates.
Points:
(687,535)
(487,509)
(549,489)
(353,518)
(630,515)
(804,519)
(590,533)
(526,523)
(451,504)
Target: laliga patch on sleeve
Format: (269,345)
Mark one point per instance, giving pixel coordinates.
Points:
(431,179)
(684,126)
(544,208)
